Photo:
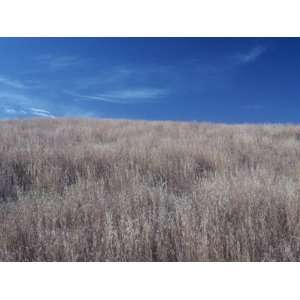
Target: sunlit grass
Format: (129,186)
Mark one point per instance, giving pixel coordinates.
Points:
(87,190)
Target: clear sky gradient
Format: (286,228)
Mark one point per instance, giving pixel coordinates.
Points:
(231,80)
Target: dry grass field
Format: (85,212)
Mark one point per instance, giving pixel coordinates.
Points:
(87,190)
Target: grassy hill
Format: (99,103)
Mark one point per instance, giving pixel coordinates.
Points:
(87,190)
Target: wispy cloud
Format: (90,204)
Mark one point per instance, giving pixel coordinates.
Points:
(15,98)
(251,55)
(220,70)
(18,105)
(14,111)
(144,93)
(55,63)
(41,113)
(127,96)
(112,76)
(17,111)
(9,110)
(16,84)
(39,110)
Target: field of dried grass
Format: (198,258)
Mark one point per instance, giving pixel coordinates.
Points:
(87,190)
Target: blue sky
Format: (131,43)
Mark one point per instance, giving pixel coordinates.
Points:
(232,80)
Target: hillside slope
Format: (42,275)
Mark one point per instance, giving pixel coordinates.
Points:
(87,190)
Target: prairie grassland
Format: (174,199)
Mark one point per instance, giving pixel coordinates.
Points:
(87,190)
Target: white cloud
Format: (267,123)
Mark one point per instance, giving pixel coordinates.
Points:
(127,96)
(55,63)
(12,111)
(15,97)
(39,110)
(12,83)
(145,93)
(19,105)
(251,55)
(20,111)
(41,113)
(9,110)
